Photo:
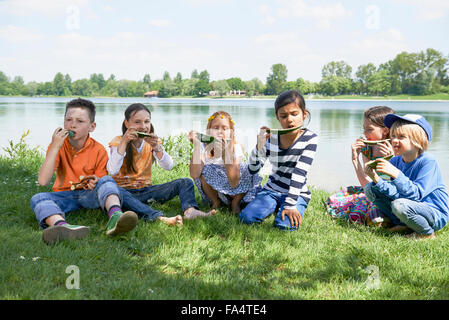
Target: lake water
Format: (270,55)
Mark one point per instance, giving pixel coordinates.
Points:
(338,124)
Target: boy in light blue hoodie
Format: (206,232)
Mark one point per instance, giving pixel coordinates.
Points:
(416,197)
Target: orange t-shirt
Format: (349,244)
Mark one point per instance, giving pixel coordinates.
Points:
(142,164)
(71,164)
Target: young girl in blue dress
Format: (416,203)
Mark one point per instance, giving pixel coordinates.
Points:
(218,169)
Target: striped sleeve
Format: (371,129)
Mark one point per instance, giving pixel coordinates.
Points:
(257,159)
(299,174)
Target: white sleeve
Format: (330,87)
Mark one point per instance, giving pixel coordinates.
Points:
(166,162)
(115,161)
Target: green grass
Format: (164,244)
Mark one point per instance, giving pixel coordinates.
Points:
(213,258)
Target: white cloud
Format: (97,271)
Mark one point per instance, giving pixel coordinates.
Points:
(378,47)
(266,13)
(429,9)
(161,23)
(44,7)
(197,3)
(18,34)
(322,14)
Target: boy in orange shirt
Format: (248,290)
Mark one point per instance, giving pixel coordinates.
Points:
(73,153)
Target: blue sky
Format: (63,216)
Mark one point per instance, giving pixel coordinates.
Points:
(39,38)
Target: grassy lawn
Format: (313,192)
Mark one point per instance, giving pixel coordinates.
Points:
(213,258)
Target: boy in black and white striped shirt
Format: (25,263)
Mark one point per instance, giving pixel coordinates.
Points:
(291,155)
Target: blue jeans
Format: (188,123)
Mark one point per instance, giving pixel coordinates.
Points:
(265,203)
(418,216)
(46,204)
(137,199)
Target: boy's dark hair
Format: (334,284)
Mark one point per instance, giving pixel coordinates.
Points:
(84,104)
(377,114)
(291,96)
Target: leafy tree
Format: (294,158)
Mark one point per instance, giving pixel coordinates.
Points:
(379,83)
(110,89)
(45,89)
(166,76)
(277,79)
(98,79)
(329,86)
(83,87)
(59,84)
(258,86)
(250,88)
(222,87)
(235,83)
(147,80)
(31,88)
(194,74)
(336,68)
(68,81)
(204,75)
(178,78)
(362,75)
(201,88)
(188,86)
(3,77)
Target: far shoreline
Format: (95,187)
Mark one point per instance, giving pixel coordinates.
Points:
(438,98)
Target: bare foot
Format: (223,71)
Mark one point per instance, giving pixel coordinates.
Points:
(420,236)
(399,229)
(172,221)
(193,213)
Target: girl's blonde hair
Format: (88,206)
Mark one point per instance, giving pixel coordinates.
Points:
(414,132)
(222,115)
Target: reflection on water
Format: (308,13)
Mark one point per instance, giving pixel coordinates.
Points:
(338,124)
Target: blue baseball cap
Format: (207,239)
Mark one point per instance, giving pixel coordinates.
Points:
(413,118)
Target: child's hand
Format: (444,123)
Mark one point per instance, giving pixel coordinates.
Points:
(91,182)
(370,172)
(193,137)
(356,148)
(152,140)
(385,148)
(130,135)
(57,140)
(293,215)
(385,167)
(262,138)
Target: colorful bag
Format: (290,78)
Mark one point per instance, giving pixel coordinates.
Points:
(350,203)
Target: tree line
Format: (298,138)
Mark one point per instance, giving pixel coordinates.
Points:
(422,73)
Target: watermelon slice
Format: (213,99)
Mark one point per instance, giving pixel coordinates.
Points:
(282,131)
(373,163)
(374,142)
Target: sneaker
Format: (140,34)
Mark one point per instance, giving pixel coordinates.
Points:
(67,231)
(121,223)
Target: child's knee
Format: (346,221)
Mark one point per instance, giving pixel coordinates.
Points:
(105,179)
(188,183)
(247,216)
(399,209)
(38,198)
